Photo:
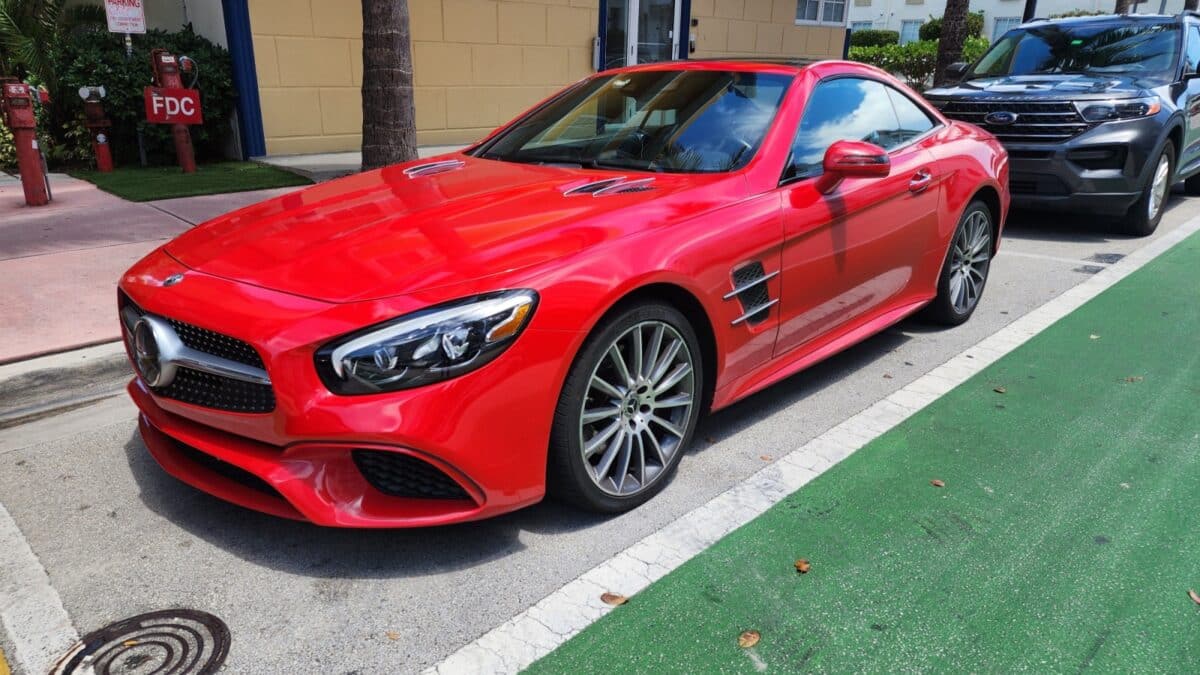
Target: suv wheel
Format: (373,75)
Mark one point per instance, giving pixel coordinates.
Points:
(1144,215)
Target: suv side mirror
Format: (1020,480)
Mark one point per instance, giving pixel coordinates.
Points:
(955,71)
(852,159)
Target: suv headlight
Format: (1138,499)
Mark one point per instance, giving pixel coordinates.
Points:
(1120,109)
(427,346)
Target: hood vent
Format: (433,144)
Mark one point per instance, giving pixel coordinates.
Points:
(610,186)
(433,168)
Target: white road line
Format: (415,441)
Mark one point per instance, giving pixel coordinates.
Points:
(31,612)
(537,631)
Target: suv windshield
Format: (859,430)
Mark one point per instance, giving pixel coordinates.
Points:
(662,120)
(1141,49)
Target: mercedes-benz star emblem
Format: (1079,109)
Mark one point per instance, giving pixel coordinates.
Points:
(1001,118)
(148,357)
(172,280)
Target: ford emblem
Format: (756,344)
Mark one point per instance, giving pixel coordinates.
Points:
(1000,118)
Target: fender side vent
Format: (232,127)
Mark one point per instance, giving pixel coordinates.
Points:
(434,168)
(750,289)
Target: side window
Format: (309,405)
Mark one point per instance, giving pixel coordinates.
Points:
(913,120)
(845,109)
(1191,59)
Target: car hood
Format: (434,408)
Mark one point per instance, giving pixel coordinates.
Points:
(395,230)
(1068,86)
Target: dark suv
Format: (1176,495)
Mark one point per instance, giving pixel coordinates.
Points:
(1100,115)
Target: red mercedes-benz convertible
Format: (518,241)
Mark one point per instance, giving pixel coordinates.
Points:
(553,308)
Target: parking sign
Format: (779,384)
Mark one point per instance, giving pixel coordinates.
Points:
(125,16)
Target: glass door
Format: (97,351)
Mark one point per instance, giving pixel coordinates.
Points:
(640,31)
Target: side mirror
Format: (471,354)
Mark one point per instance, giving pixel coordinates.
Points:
(852,159)
(955,71)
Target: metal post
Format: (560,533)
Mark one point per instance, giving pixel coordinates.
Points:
(1030,11)
(140,138)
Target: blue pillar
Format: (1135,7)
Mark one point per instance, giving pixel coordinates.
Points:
(245,77)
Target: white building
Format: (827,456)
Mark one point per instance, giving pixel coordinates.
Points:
(906,16)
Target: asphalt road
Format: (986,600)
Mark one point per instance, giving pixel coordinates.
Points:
(119,537)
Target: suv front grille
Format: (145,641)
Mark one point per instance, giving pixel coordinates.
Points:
(205,389)
(399,475)
(1037,122)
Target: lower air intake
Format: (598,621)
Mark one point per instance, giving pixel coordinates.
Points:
(399,475)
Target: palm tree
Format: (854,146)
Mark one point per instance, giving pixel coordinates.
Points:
(1122,6)
(33,32)
(389,125)
(1190,5)
(954,33)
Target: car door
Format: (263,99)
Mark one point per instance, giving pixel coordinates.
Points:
(849,253)
(1189,155)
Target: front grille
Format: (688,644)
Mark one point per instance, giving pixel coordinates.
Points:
(399,475)
(226,470)
(1037,122)
(203,340)
(222,393)
(205,389)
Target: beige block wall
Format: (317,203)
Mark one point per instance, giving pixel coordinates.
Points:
(761,28)
(476,64)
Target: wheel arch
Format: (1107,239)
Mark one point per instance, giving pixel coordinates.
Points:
(990,197)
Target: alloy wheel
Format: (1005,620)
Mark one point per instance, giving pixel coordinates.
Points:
(1158,189)
(969,262)
(637,408)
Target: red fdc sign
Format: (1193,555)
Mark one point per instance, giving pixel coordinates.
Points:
(172,106)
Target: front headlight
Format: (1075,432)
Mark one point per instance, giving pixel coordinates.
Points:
(431,345)
(1120,109)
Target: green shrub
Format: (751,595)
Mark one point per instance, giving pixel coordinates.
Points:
(932,29)
(870,37)
(916,61)
(8,151)
(99,59)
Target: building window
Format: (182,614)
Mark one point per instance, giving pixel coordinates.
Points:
(861,25)
(821,11)
(910,31)
(1004,24)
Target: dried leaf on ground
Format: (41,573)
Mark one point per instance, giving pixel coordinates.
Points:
(1194,596)
(1093,336)
(802,566)
(614,599)
(749,638)
(765,458)
(129,643)
(999,390)
(937,482)
(392,635)
(1134,378)
(887,376)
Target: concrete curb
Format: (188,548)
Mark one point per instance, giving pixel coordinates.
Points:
(42,386)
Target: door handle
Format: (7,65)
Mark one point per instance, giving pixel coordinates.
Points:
(920,182)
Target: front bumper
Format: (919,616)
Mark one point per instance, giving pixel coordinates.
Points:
(487,431)
(1100,171)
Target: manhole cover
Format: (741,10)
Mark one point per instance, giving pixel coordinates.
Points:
(170,642)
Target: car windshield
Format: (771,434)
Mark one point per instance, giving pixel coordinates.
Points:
(1145,50)
(658,120)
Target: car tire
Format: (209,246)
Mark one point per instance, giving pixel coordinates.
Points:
(1143,217)
(639,407)
(965,270)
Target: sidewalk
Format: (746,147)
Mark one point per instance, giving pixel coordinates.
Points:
(59,264)
(1066,536)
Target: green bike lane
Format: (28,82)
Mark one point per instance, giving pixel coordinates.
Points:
(1065,538)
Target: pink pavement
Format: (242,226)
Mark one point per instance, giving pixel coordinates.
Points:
(59,263)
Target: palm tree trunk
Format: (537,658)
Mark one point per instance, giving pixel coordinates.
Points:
(1191,5)
(1122,6)
(389,133)
(954,33)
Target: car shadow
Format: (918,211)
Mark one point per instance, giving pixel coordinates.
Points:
(309,550)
